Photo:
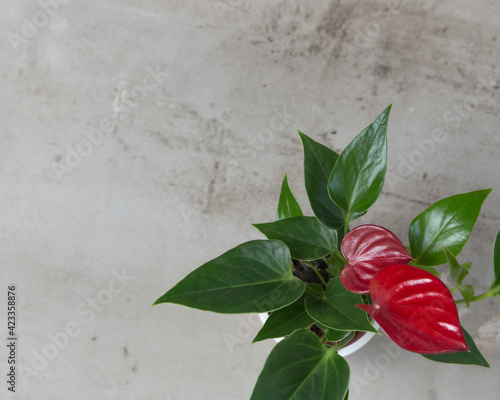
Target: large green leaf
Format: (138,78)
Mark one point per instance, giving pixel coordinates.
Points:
(318,164)
(288,319)
(307,238)
(358,176)
(302,368)
(471,357)
(287,206)
(446,223)
(255,276)
(495,286)
(337,309)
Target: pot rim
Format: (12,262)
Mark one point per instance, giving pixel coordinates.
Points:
(344,351)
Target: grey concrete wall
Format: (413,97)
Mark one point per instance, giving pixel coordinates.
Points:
(180,100)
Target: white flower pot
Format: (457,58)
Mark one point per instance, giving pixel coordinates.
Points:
(344,351)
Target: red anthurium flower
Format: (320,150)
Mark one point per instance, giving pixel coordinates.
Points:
(368,249)
(416,310)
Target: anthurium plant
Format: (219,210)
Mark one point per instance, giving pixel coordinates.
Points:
(323,284)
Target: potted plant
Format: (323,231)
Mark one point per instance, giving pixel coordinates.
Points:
(325,285)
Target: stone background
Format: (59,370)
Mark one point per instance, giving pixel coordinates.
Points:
(192,110)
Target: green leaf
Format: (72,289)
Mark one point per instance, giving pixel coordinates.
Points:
(337,309)
(358,176)
(255,276)
(301,367)
(288,319)
(495,286)
(471,357)
(333,335)
(457,271)
(446,223)
(287,206)
(318,165)
(306,237)
(467,292)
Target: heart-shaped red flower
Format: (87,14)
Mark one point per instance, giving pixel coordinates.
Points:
(368,249)
(416,310)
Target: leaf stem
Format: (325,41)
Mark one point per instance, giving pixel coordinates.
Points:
(483,296)
(346,225)
(311,265)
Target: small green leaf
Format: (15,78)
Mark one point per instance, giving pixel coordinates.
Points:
(337,309)
(467,292)
(255,276)
(358,176)
(301,367)
(288,319)
(306,237)
(495,286)
(287,206)
(446,223)
(333,335)
(457,271)
(471,357)
(318,165)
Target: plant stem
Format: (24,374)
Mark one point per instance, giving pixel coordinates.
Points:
(311,265)
(483,296)
(346,226)
(345,341)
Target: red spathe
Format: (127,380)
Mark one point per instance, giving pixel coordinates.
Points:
(368,249)
(416,310)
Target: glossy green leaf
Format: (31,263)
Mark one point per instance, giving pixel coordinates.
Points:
(318,165)
(446,223)
(337,309)
(471,357)
(288,319)
(300,367)
(306,237)
(287,206)
(495,286)
(255,276)
(358,176)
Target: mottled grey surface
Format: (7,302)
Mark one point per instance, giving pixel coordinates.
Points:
(143,137)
